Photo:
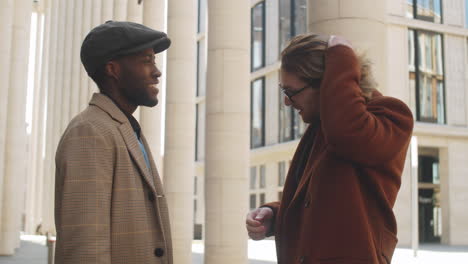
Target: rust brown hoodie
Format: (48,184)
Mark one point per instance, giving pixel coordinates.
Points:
(338,209)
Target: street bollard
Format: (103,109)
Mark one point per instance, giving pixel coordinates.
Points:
(50,249)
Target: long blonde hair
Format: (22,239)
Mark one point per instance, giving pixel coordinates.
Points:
(305,57)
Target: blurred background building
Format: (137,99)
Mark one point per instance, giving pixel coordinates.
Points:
(222,137)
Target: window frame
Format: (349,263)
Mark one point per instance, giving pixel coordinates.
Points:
(252,39)
(416,16)
(418,73)
(292,22)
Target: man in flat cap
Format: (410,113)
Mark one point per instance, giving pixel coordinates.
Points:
(109,202)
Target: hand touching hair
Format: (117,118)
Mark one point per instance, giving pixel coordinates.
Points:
(305,57)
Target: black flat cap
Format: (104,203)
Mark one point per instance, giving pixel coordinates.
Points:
(114,39)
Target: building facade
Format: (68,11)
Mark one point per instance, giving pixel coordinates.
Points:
(223,138)
(419,49)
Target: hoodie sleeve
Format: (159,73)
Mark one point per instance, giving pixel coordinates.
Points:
(274,206)
(367,133)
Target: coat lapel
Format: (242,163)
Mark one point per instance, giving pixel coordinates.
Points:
(154,170)
(135,151)
(317,146)
(131,141)
(163,210)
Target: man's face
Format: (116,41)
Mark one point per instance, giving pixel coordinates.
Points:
(305,99)
(139,77)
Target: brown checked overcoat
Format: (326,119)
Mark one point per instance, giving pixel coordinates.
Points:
(337,207)
(109,206)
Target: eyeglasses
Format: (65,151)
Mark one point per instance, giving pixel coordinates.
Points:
(291,93)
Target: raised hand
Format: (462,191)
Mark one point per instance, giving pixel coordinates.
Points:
(338,40)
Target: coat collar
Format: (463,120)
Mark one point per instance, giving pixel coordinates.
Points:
(133,122)
(107,105)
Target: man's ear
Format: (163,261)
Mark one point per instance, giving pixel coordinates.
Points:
(112,70)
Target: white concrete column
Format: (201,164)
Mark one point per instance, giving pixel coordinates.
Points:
(89,9)
(67,66)
(42,127)
(363,22)
(51,122)
(135,14)
(97,17)
(227,131)
(15,163)
(61,110)
(179,160)
(35,157)
(76,61)
(120,10)
(134,11)
(6,27)
(150,118)
(107,10)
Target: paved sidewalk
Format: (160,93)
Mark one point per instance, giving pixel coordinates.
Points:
(34,251)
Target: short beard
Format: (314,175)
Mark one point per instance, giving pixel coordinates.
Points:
(149,103)
(137,97)
(140,99)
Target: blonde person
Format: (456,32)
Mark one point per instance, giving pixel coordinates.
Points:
(346,172)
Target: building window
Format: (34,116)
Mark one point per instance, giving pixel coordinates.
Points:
(466,13)
(199,131)
(198,70)
(198,16)
(196,132)
(253,201)
(286,120)
(409,8)
(412,70)
(257,113)
(262,176)
(299,125)
(293,20)
(253,178)
(291,126)
(427,75)
(195,180)
(262,199)
(281,173)
(299,17)
(427,10)
(258,36)
(201,68)
(256,186)
(429,200)
(285,24)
